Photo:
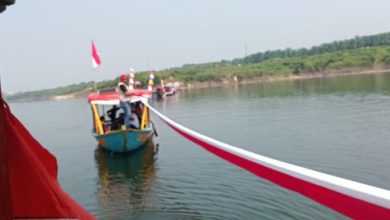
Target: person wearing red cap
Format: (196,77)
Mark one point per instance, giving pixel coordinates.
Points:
(125,95)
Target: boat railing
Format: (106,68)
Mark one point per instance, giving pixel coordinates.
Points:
(103,127)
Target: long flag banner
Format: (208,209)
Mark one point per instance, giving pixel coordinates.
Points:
(95,56)
(353,199)
(29,188)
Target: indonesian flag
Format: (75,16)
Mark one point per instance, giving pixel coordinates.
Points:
(29,188)
(353,199)
(95,56)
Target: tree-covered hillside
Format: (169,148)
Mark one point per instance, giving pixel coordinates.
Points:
(357,54)
(357,42)
(342,61)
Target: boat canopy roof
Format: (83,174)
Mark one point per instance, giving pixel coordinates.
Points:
(112,97)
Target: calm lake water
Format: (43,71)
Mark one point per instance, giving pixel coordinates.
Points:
(339,126)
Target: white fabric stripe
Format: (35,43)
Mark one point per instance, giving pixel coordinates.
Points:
(105,102)
(357,190)
(94,64)
(131,82)
(116,101)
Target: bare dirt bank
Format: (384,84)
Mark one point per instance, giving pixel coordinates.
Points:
(76,95)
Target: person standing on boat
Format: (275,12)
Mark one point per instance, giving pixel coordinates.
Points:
(125,94)
(112,113)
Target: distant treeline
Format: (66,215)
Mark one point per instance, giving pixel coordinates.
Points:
(342,61)
(64,90)
(359,53)
(47,93)
(357,42)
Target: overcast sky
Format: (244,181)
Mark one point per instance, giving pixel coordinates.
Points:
(46,43)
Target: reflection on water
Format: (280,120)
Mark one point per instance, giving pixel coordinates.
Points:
(351,84)
(168,100)
(125,180)
(336,125)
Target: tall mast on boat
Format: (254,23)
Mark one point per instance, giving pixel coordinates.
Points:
(131,79)
(151,81)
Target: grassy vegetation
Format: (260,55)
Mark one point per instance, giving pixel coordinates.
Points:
(47,93)
(362,58)
(366,53)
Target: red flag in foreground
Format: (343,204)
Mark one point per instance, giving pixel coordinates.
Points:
(29,188)
(95,56)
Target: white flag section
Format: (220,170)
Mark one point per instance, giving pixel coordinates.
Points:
(151,81)
(95,56)
(131,79)
(353,199)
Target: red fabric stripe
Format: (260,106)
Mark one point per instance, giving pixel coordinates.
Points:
(32,171)
(95,54)
(115,96)
(344,204)
(5,206)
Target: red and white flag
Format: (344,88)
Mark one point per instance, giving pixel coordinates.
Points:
(353,199)
(95,56)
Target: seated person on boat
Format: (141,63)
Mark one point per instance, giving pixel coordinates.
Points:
(134,120)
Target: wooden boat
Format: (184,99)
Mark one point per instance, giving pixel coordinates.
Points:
(162,92)
(166,90)
(113,135)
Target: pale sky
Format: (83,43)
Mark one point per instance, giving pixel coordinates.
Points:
(46,43)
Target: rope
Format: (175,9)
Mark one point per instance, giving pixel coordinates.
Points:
(353,199)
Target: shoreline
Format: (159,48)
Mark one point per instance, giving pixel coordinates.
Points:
(255,80)
(270,79)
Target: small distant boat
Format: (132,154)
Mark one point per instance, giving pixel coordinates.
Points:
(112,134)
(166,90)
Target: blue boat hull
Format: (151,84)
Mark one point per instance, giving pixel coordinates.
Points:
(123,141)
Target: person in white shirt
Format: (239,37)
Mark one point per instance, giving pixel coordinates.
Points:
(125,95)
(134,122)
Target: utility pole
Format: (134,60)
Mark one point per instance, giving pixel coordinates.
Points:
(148,62)
(246,50)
